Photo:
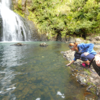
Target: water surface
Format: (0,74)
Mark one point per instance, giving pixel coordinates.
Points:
(31,72)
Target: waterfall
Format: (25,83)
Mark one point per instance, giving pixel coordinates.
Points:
(6,3)
(14,27)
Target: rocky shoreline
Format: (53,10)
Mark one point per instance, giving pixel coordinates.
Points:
(85,76)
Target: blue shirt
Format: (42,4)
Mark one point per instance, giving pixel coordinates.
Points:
(83,47)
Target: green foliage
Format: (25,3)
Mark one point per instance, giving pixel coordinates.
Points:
(67,17)
(83,16)
(19,4)
(19,12)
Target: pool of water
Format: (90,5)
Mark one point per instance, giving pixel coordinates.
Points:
(31,72)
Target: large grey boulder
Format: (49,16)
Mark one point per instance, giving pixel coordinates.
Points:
(43,44)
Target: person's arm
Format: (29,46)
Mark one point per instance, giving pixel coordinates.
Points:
(89,47)
(72,60)
(70,63)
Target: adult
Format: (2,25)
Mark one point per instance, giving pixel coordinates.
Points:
(83,51)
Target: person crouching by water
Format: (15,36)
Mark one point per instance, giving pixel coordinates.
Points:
(83,51)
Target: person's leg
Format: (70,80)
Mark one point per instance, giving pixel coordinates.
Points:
(87,58)
(87,62)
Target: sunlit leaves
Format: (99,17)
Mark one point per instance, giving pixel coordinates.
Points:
(65,16)
(89,5)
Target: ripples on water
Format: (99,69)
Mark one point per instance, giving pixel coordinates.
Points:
(31,72)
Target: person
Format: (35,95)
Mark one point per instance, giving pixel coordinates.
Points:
(83,51)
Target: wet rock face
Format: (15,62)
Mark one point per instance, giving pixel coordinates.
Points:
(91,88)
(22,3)
(34,31)
(23,7)
(14,4)
(29,2)
(69,55)
(82,78)
(98,91)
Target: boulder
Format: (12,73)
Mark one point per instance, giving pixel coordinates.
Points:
(97,38)
(17,44)
(78,40)
(43,44)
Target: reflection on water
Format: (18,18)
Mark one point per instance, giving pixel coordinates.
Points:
(9,57)
(31,72)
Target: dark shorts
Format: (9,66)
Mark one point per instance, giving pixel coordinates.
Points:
(88,57)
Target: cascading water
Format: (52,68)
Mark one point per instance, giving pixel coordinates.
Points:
(14,29)
(6,3)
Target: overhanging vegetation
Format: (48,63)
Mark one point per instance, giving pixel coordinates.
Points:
(65,17)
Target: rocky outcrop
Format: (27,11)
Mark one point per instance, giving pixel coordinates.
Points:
(34,31)
(84,76)
(18,44)
(43,44)
(22,5)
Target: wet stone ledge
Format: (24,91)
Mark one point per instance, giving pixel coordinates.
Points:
(86,77)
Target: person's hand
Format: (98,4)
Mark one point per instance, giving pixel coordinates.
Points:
(86,53)
(68,64)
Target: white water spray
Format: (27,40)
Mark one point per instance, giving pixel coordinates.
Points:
(14,28)
(6,3)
